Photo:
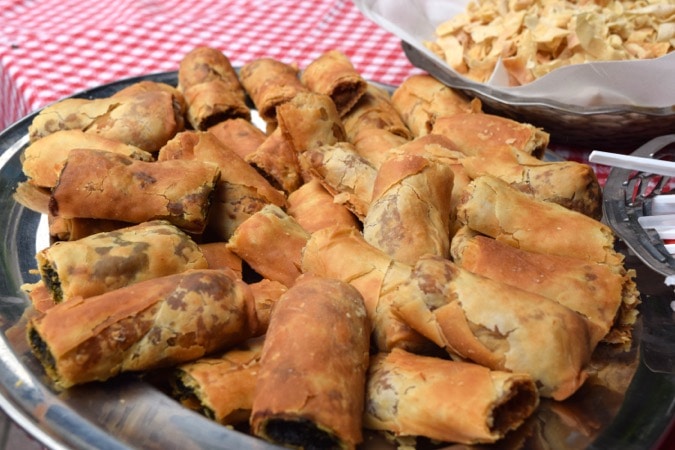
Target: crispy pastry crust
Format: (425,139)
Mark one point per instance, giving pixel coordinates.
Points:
(409,215)
(594,290)
(342,253)
(271,242)
(221,388)
(313,367)
(103,185)
(421,99)
(211,88)
(110,260)
(150,324)
(484,133)
(44,159)
(496,325)
(270,83)
(491,207)
(314,208)
(449,401)
(333,74)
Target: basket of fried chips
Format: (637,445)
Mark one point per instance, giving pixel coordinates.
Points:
(595,72)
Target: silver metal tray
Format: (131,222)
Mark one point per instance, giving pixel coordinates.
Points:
(132,412)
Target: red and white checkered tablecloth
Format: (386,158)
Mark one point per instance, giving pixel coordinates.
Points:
(52,49)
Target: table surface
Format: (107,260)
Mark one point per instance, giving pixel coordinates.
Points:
(50,50)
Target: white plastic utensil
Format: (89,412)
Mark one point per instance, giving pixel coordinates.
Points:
(647,165)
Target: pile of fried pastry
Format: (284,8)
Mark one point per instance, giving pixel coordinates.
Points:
(311,254)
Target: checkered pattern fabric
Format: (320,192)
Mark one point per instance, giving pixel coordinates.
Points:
(50,50)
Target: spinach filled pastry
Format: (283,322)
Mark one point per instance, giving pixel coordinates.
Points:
(110,260)
(103,185)
(311,381)
(220,387)
(444,400)
(148,325)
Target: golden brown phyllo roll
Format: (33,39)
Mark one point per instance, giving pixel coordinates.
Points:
(220,387)
(240,191)
(270,83)
(491,207)
(311,382)
(570,184)
(484,133)
(106,261)
(151,324)
(496,325)
(271,242)
(409,214)
(44,159)
(421,99)
(211,88)
(103,185)
(449,401)
(342,253)
(597,291)
(333,74)
(143,119)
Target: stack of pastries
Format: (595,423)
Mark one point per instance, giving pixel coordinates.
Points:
(398,261)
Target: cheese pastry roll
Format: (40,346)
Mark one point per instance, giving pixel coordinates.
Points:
(311,382)
(333,74)
(148,325)
(110,260)
(103,185)
(448,401)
